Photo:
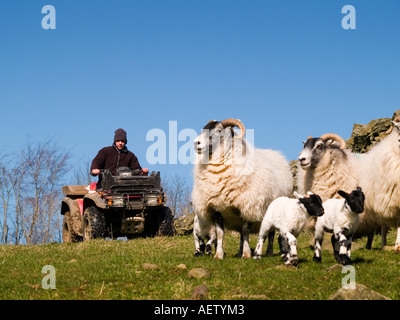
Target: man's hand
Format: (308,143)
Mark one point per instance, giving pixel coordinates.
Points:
(95,172)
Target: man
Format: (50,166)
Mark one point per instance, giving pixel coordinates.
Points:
(114,157)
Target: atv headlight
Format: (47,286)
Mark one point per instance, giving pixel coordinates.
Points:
(116,202)
(155,200)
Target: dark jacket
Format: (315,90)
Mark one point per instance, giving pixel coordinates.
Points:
(110,158)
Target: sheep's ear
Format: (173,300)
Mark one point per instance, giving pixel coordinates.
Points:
(342,193)
(297,195)
(359,189)
(396,124)
(329,142)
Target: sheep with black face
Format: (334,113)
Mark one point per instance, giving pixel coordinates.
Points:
(234,183)
(289,216)
(341,218)
(327,166)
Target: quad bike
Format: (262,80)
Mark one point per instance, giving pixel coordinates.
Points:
(130,204)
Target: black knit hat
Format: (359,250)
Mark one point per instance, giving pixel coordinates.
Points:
(120,134)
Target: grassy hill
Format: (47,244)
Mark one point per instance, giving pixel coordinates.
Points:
(117,270)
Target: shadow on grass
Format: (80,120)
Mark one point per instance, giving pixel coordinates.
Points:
(360,260)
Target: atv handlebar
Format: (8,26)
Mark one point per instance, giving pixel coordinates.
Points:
(136,172)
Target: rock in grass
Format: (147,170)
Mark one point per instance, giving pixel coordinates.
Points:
(199,273)
(150,266)
(361,292)
(335,267)
(200,293)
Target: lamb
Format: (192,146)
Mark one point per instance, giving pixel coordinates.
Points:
(341,218)
(379,179)
(290,217)
(203,231)
(234,182)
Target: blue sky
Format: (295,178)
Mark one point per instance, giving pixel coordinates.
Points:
(287,69)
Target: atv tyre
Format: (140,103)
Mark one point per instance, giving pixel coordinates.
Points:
(159,223)
(68,233)
(166,223)
(93,224)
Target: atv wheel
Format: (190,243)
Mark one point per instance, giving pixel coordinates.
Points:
(68,234)
(93,224)
(166,223)
(159,223)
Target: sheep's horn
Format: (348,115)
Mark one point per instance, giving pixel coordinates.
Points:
(335,137)
(397,119)
(235,123)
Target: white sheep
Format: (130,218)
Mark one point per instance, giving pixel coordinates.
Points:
(327,168)
(203,231)
(234,183)
(380,181)
(290,216)
(341,218)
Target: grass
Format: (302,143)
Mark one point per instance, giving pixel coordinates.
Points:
(114,270)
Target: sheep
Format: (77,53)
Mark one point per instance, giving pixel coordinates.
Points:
(329,167)
(234,182)
(290,217)
(341,218)
(380,178)
(203,231)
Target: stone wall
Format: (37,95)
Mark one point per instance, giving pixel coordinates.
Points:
(364,136)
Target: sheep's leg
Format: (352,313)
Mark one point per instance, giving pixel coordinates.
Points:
(370,238)
(318,248)
(349,241)
(240,252)
(245,240)
(283,246)
(335,247)
(198,246)
(270,247)
(342,241)
(219,227)
(384,231)
(318,238)
(265,230)
(259,247)
(397,243)
(210,242)
(292,255)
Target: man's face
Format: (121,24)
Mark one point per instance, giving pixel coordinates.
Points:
(120,144)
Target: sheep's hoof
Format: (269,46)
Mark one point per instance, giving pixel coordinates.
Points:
(317,259)
(246,256)
(344,260)
(257,257)
(198,253)
(208,249)
(397,248)
(292,261)
(219,256)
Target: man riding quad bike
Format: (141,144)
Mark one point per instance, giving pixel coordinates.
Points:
(129,204)
(126,201)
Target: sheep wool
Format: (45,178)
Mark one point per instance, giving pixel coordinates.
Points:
(380,180)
